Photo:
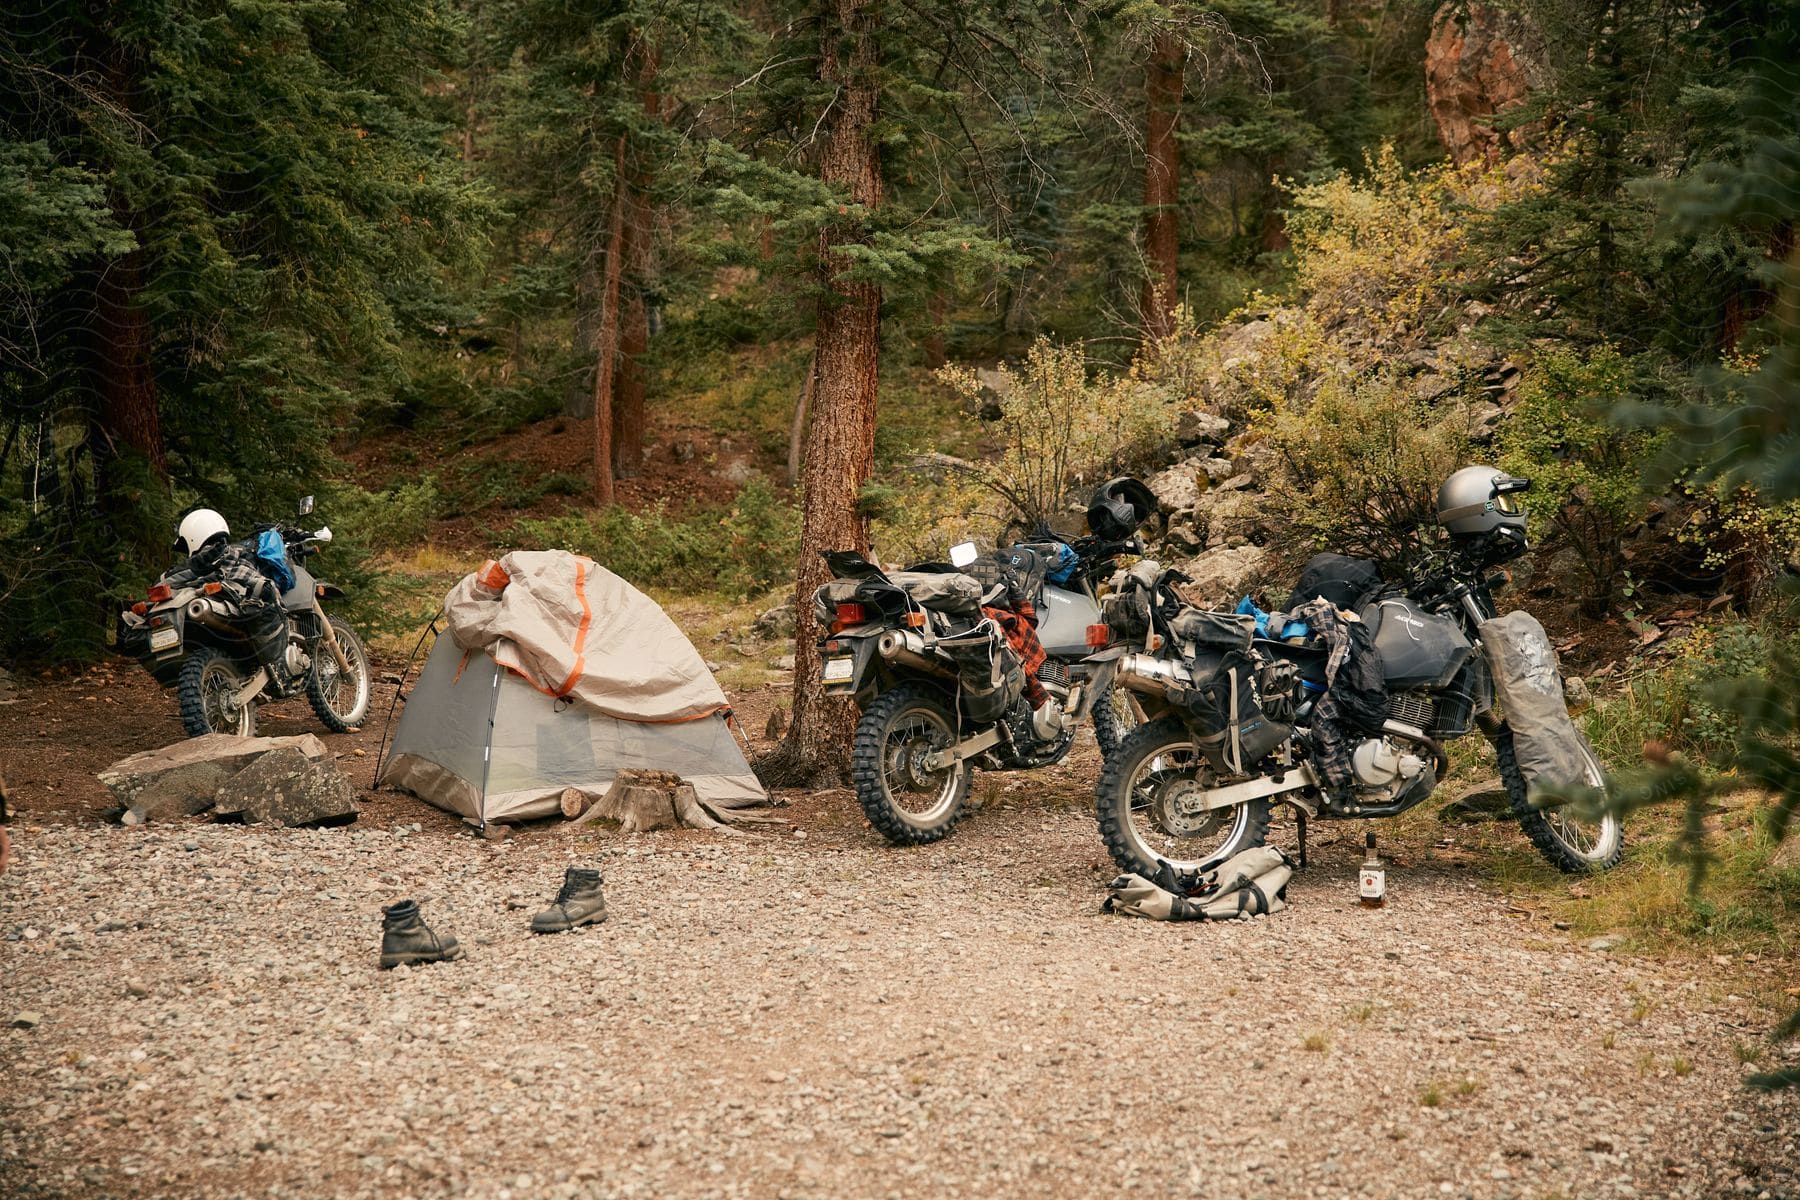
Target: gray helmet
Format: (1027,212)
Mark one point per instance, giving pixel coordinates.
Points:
(1478,500)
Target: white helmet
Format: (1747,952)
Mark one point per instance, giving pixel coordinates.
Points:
(199,529)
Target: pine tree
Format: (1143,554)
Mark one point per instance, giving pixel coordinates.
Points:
(269,205)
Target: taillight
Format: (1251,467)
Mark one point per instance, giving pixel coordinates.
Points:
(140,608)
(916,620)
(160,592)
(1098,635)
(213,588)
(851,614)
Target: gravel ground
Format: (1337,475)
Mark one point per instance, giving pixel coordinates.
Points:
(813,1014)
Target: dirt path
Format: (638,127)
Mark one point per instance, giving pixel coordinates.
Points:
(823,1016)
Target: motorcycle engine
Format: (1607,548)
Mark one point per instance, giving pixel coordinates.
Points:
(298,660)
(1385,770)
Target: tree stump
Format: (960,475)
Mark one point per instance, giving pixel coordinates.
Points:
(637,800)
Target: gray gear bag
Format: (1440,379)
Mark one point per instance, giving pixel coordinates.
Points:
(1551,752)
(1251,883)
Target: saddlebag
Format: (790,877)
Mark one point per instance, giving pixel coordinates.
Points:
(1251,883)
(1229,726)
(991,675)
(1551,753)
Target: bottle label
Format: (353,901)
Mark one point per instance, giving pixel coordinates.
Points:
(1374,884)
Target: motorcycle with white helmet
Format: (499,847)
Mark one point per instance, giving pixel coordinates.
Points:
(1340,705)
(236,623)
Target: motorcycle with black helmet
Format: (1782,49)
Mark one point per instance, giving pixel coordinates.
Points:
(1339,706)
(982,662)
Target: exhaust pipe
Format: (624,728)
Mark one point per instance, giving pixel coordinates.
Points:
(907,647)
(1154,676)
(201,611)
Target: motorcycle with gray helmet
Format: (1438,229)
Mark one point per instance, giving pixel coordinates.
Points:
(979,662)
(1340,706)
(236,623)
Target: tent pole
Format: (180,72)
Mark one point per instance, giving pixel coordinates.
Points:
(487,749)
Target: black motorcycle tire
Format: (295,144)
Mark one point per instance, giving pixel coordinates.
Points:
(1537,824)
(868,766)
(205,668)
(316,681)
(1112,727)
(1112,803)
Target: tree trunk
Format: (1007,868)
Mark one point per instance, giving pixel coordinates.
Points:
(935,309)
(1162,170)
(628,393)
(797,431)
(607,342)
(578,400)
(840,445)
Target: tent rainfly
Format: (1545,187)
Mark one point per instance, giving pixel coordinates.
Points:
(555,673)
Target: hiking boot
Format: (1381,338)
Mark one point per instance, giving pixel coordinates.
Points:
(579,902)
(407,939)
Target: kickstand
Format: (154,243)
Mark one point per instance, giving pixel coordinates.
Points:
(1300,823)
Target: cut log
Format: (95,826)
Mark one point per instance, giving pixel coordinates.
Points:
(575,802)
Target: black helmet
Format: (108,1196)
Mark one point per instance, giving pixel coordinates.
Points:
(1119,506)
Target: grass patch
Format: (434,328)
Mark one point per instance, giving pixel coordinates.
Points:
(1317,1043)
(1432,1096)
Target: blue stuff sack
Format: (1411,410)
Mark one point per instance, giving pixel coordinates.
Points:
(1066,562)
(271,556)
(1247,607)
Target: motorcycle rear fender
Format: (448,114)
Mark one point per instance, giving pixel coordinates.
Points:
(865,675)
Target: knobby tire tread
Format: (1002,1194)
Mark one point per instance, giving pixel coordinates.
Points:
(315,688)
(866,769)
(1533,822)
(192,696)
(1112,802)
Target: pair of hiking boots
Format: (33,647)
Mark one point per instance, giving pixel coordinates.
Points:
(405,938)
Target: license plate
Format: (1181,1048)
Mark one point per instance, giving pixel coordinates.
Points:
(164,639)
(839,670)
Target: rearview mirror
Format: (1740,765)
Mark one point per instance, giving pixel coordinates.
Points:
(306,505)
(963,553)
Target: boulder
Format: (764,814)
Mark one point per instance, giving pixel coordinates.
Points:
(1192,428)
(1217,469)
(285,787)
(1179,487)
(1221,577)
(778,623)
(182,779)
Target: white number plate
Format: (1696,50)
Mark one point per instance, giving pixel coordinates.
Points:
(163,639)
(838,670)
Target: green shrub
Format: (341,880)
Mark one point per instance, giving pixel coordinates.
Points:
(1365,460)
(1585,468)
(375,522)
(1685,704)
(741,551)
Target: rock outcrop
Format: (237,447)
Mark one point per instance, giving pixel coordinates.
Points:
(1480,60)
(192,777)
(285,787)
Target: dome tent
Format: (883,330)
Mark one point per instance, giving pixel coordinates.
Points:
(554,673)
